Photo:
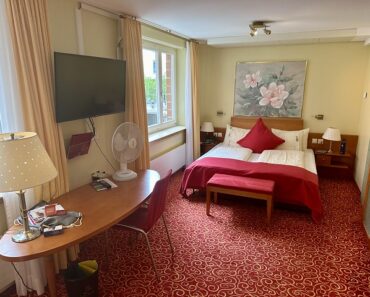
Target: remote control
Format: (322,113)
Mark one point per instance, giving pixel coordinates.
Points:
(105,184)
(53,231)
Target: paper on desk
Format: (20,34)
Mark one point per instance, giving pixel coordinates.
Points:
(38,214)
(112,184)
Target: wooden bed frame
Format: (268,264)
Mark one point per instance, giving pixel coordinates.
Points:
(290,124)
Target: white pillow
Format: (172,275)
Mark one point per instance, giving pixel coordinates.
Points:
(230,152)
(305,137)
(233,135)
(294,140)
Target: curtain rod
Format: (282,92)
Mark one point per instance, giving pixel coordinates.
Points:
(96,9)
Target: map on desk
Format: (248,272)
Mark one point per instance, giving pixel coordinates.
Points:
(37,215)
(103,184)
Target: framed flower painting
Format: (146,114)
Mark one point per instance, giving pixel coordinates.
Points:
(269,89)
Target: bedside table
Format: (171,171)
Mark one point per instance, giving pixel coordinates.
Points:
(335,164)
(206,146)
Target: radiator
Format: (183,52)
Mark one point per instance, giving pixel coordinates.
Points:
(174,159)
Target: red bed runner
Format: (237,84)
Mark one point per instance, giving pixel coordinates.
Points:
(293,185)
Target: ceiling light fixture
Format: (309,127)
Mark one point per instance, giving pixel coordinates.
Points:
(267,31)
(259,25)
(254,32)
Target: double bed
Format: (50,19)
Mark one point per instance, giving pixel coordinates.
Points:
(291,165)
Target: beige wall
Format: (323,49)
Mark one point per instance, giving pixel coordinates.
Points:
(334,83)
(100,36)
(335,78)
(363,128)
(333,87)
(100,39)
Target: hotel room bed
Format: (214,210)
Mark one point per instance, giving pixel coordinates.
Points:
(224,151)
(294,173)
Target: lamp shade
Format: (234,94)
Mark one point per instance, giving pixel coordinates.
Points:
(332,134)
(24,162)
(207,127)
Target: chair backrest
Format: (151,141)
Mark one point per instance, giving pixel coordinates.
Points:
(157,200)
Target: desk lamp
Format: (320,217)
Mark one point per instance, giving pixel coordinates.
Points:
(331,134)
(207,127)
(24,164)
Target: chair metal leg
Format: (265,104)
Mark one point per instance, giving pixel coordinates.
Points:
(151,255)
(168,234)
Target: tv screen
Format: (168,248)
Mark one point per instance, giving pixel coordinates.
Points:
(88,86)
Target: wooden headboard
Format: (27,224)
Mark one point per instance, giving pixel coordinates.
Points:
(290,124)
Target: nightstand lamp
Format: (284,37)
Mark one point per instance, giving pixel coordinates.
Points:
(207,127)
(24,164)
(331,134)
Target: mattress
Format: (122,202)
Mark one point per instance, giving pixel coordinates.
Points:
(238,153)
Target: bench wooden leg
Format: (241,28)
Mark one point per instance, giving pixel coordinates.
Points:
(208,202)
(215,197)
(269,209)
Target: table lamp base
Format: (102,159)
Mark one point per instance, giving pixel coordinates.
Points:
(23,236)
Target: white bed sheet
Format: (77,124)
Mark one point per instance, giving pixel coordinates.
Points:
(283,157)
(226,151)
(223,151)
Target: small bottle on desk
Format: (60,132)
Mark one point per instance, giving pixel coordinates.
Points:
(342,148)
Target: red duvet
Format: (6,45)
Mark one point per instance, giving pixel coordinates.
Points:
(293,185)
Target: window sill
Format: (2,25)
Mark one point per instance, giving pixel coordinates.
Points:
(165,133)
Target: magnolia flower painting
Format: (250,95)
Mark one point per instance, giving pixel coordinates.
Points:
(273,89)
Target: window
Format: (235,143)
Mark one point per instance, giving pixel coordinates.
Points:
(159,78)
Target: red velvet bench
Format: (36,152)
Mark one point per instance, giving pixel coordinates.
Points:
(256,188)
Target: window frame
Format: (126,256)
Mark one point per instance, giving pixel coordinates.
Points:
(159,49)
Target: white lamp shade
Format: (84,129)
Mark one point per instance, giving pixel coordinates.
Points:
(24,162)
(332,134)
(207,127)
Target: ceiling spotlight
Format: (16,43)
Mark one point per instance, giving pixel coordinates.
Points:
(259,25)
(254,32)
(267,31)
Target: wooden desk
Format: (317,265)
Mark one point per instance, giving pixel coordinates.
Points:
(100,210)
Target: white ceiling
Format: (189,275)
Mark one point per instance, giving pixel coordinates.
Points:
(227,21)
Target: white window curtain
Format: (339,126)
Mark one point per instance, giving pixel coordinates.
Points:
(11,117)
(188,108)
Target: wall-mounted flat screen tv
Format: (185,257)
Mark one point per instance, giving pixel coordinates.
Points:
(88,86)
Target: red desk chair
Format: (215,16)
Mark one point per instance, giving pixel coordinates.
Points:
(143,219)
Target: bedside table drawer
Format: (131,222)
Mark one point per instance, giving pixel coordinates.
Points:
(323,160)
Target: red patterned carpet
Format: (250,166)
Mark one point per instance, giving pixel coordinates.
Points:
(234,253)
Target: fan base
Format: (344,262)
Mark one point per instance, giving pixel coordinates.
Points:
(124,175)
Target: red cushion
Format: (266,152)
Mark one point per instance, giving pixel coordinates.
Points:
(250,184)
(260,138)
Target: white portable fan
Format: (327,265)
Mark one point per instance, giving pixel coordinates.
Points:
(127,143)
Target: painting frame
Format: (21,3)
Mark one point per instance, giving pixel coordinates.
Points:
(270,88)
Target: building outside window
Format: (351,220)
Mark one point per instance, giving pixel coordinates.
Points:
(159,78)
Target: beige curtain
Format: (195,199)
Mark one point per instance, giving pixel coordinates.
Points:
(135,91)
(33,57)
(194,54)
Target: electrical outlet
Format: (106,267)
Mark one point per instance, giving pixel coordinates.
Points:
(320,141)
(219,134)
(314,140)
